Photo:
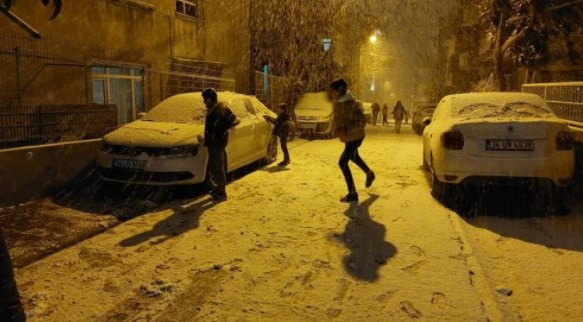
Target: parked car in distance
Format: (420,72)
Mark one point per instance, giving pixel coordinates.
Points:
(421,112)
(315,115)
(162,147)
(488,138)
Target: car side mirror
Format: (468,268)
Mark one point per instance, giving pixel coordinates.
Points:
(427,121)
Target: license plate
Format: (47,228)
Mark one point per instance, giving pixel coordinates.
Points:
(307,126)
(129,164)
(509,145)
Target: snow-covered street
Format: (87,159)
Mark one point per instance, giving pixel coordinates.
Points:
(282,248)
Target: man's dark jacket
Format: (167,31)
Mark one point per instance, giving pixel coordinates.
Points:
(218,122)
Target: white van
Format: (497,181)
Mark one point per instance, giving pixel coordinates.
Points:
(315,115)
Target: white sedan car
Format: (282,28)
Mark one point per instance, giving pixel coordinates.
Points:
(162,148)
(485,138)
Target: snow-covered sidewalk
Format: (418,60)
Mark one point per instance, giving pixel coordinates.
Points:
(282,248)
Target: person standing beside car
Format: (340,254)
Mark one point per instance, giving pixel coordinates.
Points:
(219,120)
(349,123)
(399,114)
(281,130)
(385,114)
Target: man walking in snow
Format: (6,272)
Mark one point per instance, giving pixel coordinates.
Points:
(376,108)
(219,120)
(385,114)
(399,113)
(349,123)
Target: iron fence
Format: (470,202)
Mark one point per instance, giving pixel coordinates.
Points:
(50,91)
(55,123)
(565,99)
(272,90)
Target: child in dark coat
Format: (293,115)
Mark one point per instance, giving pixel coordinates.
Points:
(282,127)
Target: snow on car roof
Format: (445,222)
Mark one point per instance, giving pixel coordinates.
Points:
(498,105)
(185,108)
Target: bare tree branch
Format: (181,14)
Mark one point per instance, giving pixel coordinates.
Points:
(560,6)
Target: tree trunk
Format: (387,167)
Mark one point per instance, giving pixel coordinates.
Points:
(499,56)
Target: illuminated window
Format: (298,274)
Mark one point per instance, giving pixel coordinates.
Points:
(187,8)
(120,86)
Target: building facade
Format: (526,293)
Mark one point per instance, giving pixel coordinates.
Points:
(131,53)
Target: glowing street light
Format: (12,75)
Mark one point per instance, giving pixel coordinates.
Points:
(373,39)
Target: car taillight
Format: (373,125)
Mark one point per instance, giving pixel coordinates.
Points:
(565,141)
(453,140)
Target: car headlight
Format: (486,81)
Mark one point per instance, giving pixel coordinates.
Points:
(183,151)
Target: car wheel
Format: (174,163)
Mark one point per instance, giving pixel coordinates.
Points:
(271,150)
(425,164)
(558,202)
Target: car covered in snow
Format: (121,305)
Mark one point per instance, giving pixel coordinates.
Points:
(422,112)
(488,138)
(314,114)
(162,147)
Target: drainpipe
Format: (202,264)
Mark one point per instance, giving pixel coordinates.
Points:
(21,23)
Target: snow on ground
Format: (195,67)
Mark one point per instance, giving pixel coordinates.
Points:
(282,248)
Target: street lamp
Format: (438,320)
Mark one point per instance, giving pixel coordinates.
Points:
(373,39)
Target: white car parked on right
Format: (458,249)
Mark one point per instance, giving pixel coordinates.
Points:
(486,138)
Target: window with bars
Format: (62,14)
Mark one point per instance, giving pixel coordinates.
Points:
(120,86)
(187,8)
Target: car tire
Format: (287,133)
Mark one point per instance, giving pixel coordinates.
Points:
(271,151)
(559,201)
(425,164)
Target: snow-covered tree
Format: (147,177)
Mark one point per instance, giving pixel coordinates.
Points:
(520,31)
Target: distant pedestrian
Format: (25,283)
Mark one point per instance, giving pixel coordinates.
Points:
(349,123)
(399,113)
(219,120)
(376,108)
(385,114)
(10,307)
(283,124)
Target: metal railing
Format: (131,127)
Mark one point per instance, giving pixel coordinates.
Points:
(38,76)
(55,123)
(272,90)
(565,99)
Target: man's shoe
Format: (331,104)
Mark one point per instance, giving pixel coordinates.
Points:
(283,163)
(219,196)
(370,179)
(351,197)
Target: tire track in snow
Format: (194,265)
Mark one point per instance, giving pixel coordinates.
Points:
(477,278)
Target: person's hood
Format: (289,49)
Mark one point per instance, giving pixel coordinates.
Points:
(155,134)
(347,97)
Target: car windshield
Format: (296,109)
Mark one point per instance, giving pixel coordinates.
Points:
(512,109)
(178,109)
(315,102)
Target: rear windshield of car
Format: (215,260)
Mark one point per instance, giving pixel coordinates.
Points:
(178,109)
(494,110)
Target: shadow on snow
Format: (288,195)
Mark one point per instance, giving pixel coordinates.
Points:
(365,238)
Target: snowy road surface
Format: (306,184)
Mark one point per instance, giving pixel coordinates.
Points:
(282,248)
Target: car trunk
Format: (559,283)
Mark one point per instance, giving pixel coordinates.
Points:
(510,139)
